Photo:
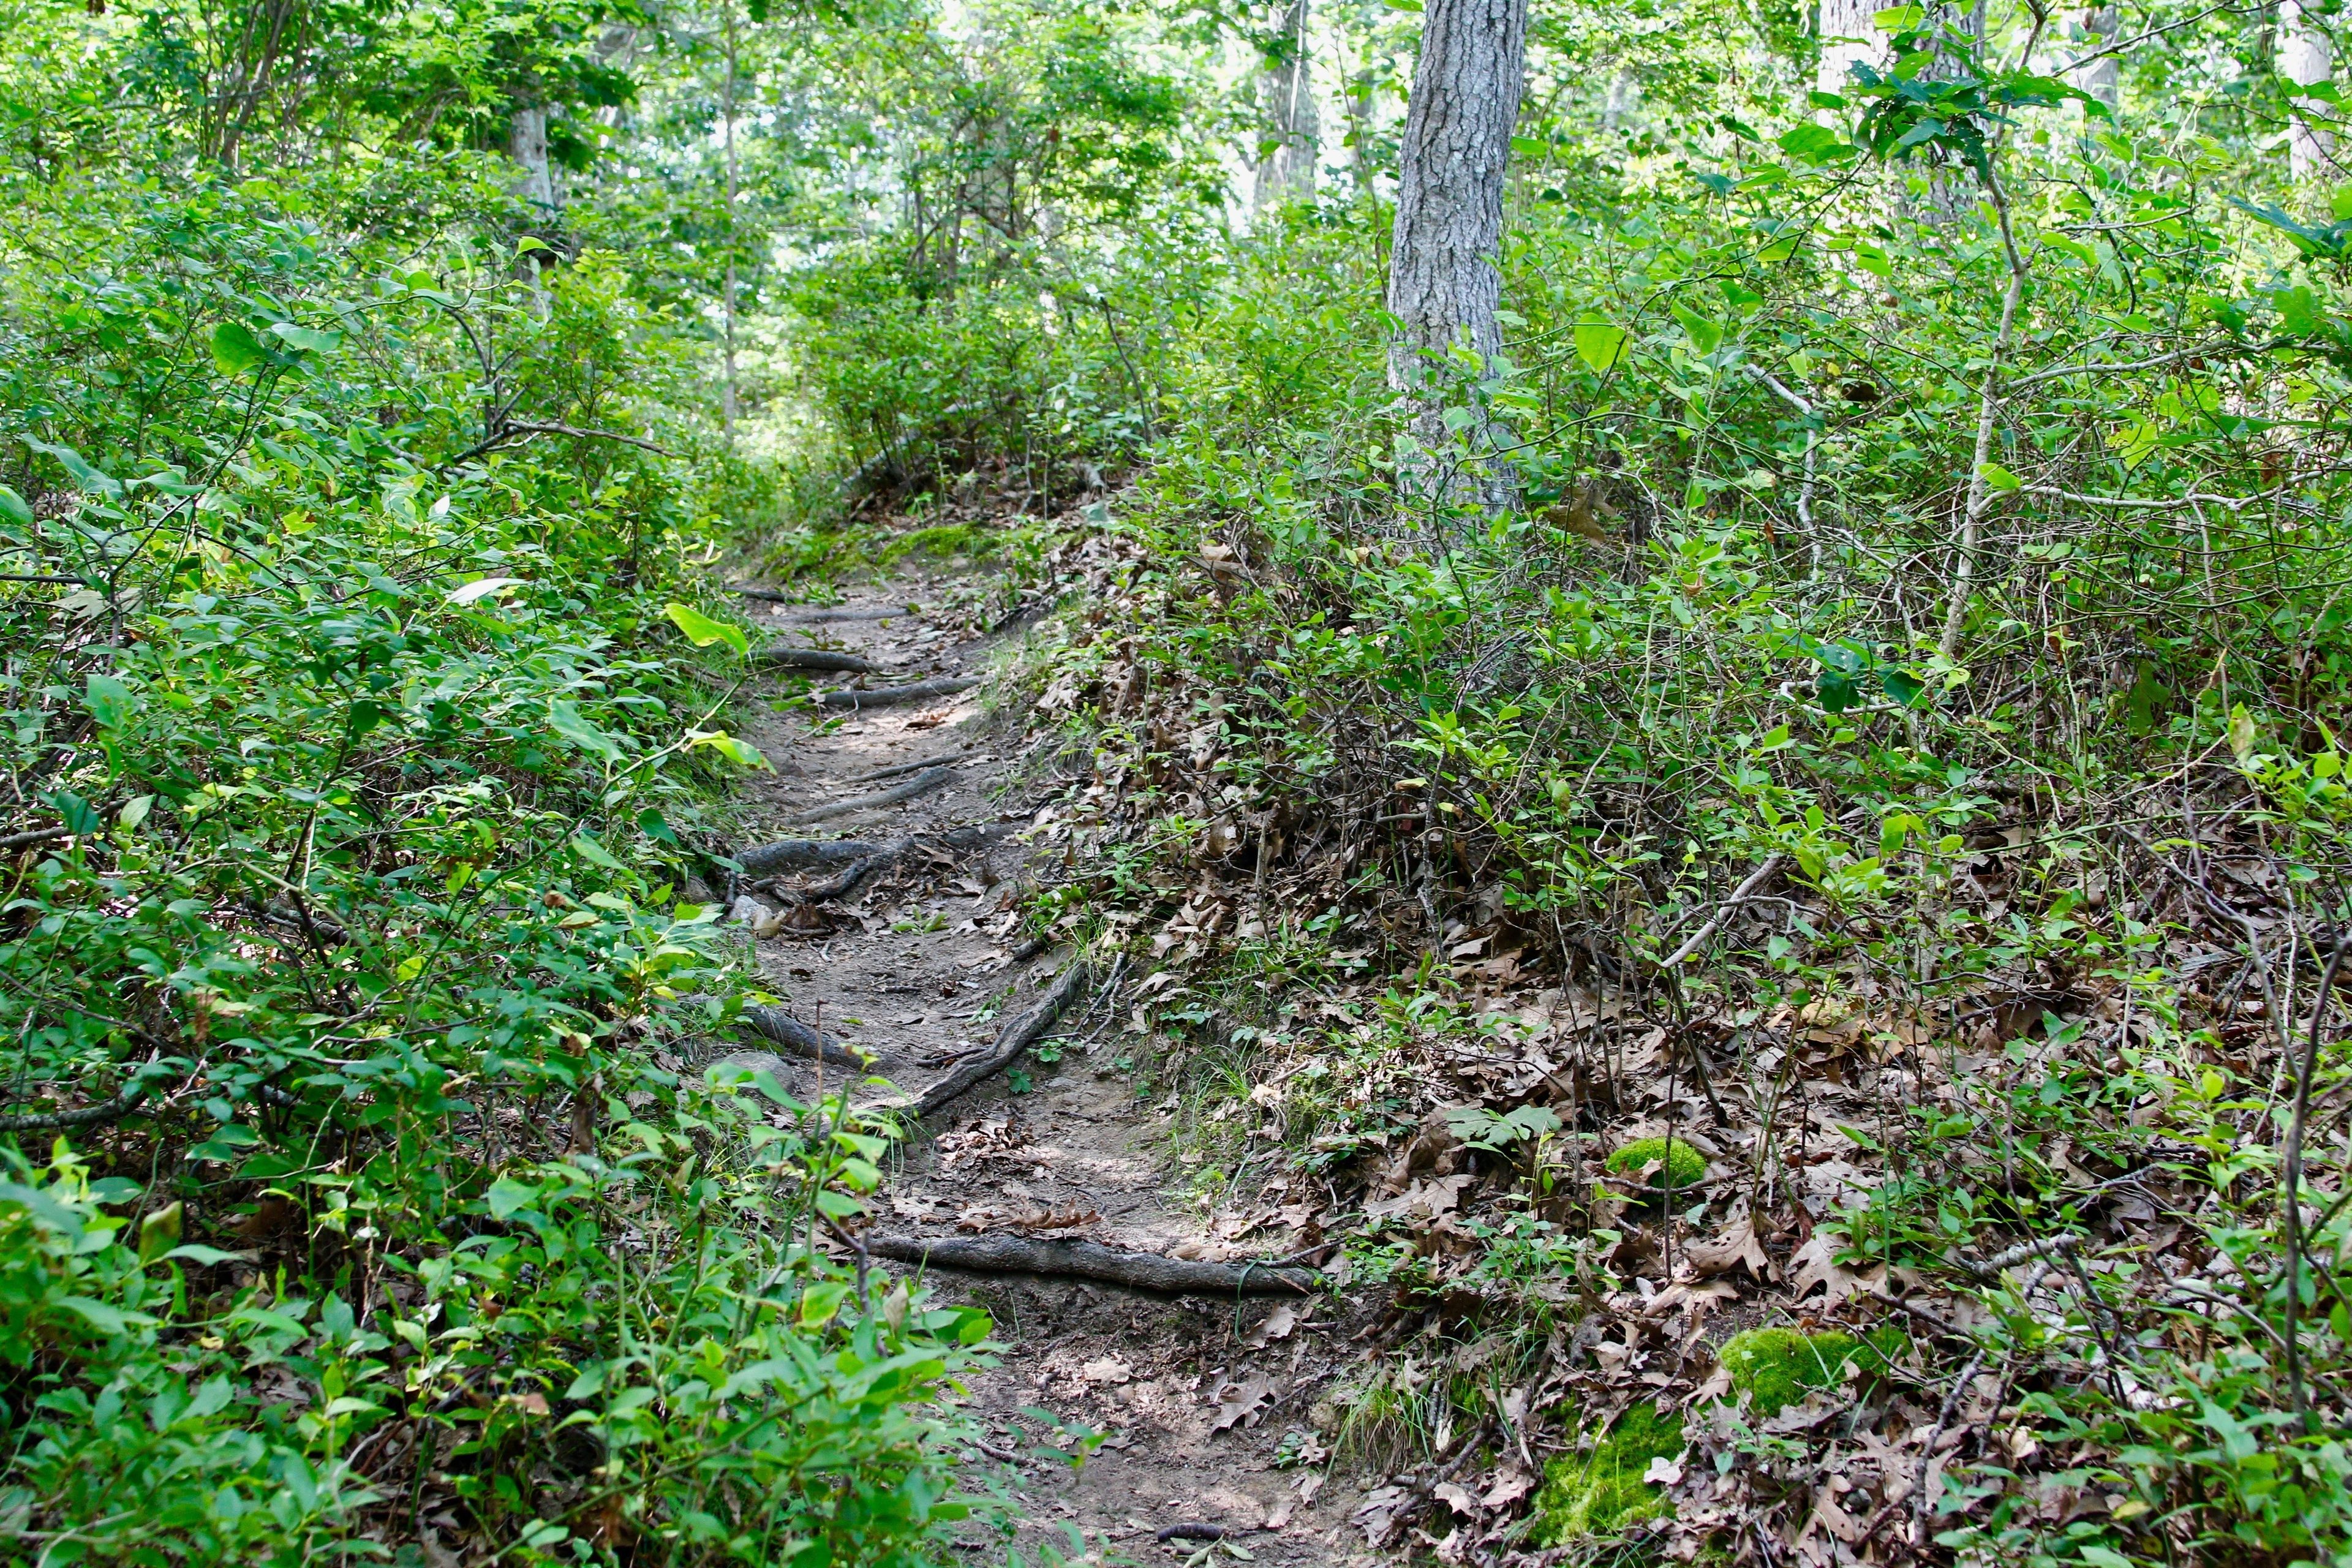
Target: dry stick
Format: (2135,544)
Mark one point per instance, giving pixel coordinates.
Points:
(2292,1202)
(1739,896)
(921,783)
(1090,1261)
(891,696)
(1016,1037)
(1980,493)
(813,658)
(898,771)
(114,1110)
(26,840)
(1920,1499)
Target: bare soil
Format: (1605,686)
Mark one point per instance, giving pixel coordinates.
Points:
(918,966)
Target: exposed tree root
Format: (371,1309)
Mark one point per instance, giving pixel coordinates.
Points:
(1091,1260)
(813,658)
(921,783)
(818,854)
(780,1027)
(891,696)
(1016,1037)
(114,1110)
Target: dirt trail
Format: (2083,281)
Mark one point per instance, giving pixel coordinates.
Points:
(918,965)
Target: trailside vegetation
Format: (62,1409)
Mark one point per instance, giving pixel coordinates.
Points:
(1749,854)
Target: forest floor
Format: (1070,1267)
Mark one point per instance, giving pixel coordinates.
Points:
(1195,1397)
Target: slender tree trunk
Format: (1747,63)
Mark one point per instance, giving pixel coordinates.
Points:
(2103,77)
(1848,36)
(535,184)
(727,394)
(527,143)
(1444,285)
(1625,96)
(2306,56)
(1288,174)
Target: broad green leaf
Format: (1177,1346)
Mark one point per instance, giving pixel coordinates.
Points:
(596,854)
(742,753)
(1997,478)
(481,588)
(110,702)
(1600,344)
(1703,334)
(702,631)
(236,350)
(13,508)
(91,479)
(565,719)
(310,340)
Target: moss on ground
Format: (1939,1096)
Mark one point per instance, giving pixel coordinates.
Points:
(1777,1367)
(1602,1492)
(1684,1167)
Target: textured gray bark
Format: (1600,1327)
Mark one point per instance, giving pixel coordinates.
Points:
(1848,34)
(1092,1260)
(2103,77)
(1288,90)
(2306,56)
(1443,279)
(527,143)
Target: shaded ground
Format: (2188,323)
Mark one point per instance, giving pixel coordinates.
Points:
(1198,1399)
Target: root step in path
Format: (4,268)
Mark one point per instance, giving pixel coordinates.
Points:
(1036,1183)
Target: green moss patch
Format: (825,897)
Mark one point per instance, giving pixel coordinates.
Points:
(1777,1367)
(1602,1492)
(1683,1166)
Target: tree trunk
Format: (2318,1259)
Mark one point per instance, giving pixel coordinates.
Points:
(2103,77)
(726,395)
(1288,174)
(2304,56)
(1848,34)
(1444,285)
(527,143)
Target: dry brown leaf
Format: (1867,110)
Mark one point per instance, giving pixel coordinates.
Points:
(1731,1247)
(1457,1498)
(1508,1488)
(1278,1325)
(1108,1370)
(1815,1263)
(1242,1404)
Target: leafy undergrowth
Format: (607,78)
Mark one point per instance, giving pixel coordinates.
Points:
(361,1193)
(1464,858)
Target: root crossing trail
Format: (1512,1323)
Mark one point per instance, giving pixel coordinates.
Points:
(1208,1402)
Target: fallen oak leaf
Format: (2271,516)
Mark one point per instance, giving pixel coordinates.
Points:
(1242,1404)
(1733,1246)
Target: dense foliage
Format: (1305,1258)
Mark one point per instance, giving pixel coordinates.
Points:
(1890,674)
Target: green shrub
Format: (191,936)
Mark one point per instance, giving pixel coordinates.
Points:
(1602,1492)
(1777,1366)
(1685,1167)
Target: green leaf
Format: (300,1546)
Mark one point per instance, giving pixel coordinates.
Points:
(106,1320)
(565,719)
(1703,334)
(13,508)
(702,631)
(742,753)
(1600,344)
(91,480)
(110,702)
(310,340)
(236,350)
(1997,478)
(596,854)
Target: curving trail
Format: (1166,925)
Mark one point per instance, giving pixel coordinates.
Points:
(918,964)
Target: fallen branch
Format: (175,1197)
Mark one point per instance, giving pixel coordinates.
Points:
(1015,1037)
(780,1027)
(813,658)
(921,783)
(114,1110)
(803,855)
(817,853)
(896,771)
(1091,1260)
(38,835)
(892,696)
(765,595)
(1739,896)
